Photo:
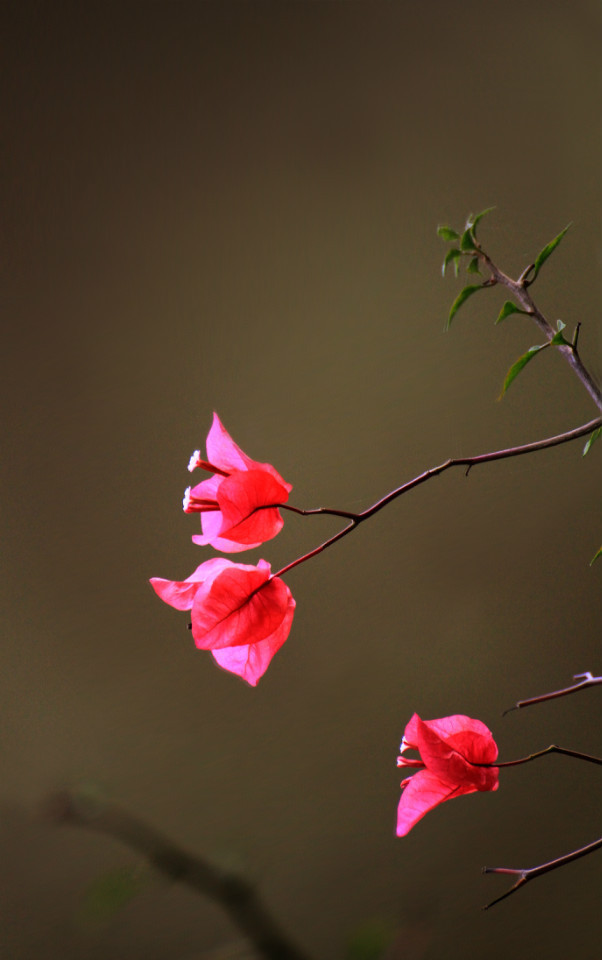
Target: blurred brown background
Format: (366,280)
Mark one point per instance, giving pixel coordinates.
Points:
(232,207)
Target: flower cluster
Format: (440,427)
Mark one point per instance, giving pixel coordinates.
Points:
(239,503)
(241,613)
(451,750)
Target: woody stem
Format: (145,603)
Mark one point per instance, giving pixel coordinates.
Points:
(518,289)
(542,753)
(234,893)
(468,462)
(586,679)
(526,874)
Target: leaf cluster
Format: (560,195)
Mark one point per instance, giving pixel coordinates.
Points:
(465,244)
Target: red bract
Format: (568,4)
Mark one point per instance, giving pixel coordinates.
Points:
(239,612)
(239,503)
(448,750)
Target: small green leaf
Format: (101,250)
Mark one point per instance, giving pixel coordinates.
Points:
(447,234)
(516,368)
(460,299)
(473,266)
(467,241)
(547,250)
(111,892)
(507,310)
(558,339)
(595,557)
(473,221)
(451,255)
(591,440)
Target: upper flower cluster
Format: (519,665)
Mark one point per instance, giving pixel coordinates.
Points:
(239,503)
(241,613)
(449,748)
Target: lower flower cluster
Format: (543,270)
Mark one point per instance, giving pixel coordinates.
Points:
(241,613)
(456,754)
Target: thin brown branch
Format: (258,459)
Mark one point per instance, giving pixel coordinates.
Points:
(585,680)
(468,462)
(525,874)
(236,895)
(542,753)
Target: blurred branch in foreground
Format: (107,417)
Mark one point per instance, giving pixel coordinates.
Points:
(236,895)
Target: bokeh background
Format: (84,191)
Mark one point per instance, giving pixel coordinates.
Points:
(232,206)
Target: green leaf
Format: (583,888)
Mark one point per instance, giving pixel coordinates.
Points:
(595,557)
(447,234)
(451,255)
(508,309)
(558,338)
(473,221)
(467,240)
(460,299)
(111,892)
(591,440)
(547,250)
(522,362)
(473,266)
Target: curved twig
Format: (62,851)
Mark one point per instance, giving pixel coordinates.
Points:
(468,462)
(236,895)
(586,679)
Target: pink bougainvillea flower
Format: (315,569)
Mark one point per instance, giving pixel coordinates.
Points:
(448,750)
(239,503)
(239,612)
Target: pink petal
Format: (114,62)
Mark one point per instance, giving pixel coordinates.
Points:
(240,496)
(250,661)
(234,611)
(222,451)
(478,748)
(268,468)
(209,570)
(450,746)
(180,593)
(422,793)
(211,524)
(447,727)
(207,489)
(219,543)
